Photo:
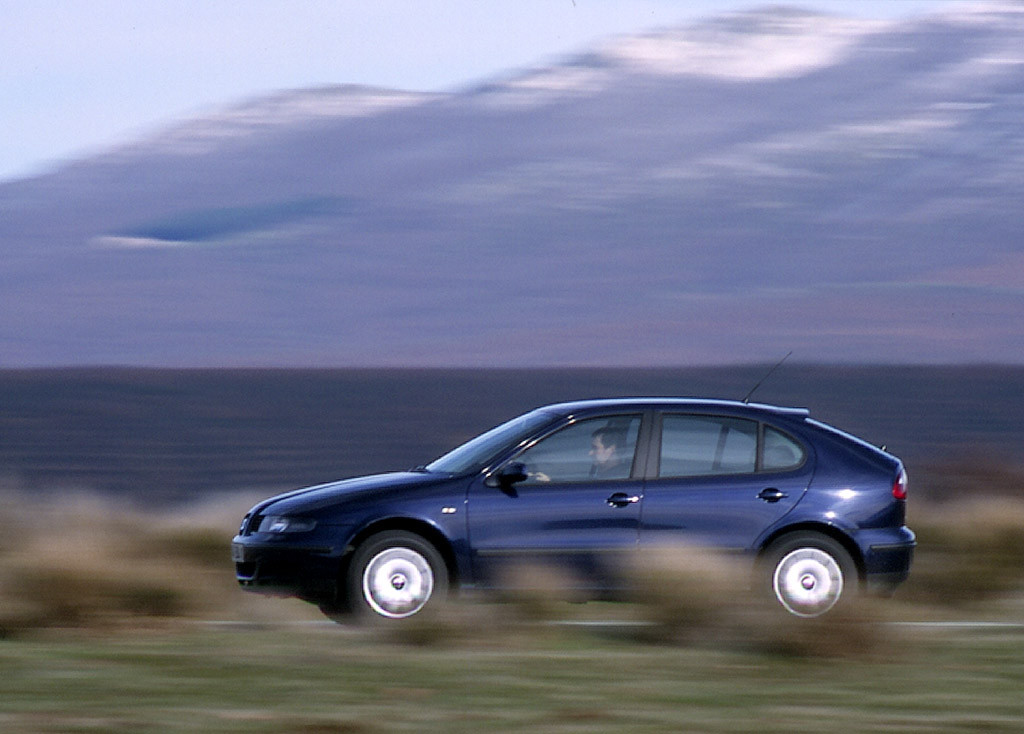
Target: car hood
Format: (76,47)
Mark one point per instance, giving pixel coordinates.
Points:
(371,488)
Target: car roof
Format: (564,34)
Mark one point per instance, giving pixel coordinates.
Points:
(671,403)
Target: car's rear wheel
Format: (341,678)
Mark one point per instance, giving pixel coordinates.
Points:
(394,575)
(810,573)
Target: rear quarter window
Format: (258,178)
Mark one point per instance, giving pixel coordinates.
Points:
(780,452)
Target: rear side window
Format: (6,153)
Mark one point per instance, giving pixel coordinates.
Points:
(780,451)
(697,445)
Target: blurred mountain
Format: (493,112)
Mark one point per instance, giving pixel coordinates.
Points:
(763,182)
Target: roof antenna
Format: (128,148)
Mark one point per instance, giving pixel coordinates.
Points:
(769,374)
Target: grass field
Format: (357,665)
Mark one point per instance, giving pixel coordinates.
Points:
(318,680)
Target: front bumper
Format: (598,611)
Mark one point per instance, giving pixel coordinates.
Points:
(283,569)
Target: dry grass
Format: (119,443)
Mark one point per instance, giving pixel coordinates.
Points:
(968,552)
(533,598)
(85,562)
(537,592)
(88,562)
(687,594)
(693,596)
(969,520)
(679,597)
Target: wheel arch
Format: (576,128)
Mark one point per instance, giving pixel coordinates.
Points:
(423,529)
(824,529)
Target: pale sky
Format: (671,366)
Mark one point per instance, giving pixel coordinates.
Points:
(77,76)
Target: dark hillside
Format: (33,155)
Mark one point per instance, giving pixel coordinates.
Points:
(174,434)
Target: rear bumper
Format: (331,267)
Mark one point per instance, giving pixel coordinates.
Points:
(887,559)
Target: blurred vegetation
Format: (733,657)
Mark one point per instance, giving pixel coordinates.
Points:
(970,532)
(81,561)
(127,619)
(88,562)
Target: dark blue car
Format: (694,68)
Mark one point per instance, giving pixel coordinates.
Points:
(819,512)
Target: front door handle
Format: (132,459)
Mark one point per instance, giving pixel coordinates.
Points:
(621,499)
(771,494)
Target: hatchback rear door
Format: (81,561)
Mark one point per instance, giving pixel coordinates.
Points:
(719,480)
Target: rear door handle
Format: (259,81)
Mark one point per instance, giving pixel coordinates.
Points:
(621,499)
(771,494)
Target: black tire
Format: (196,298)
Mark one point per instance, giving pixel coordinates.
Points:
(336,612)
(394,575)
(809,573)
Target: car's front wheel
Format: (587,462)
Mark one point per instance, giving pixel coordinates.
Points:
(810,573)
(394,575)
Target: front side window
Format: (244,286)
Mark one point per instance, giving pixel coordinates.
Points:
(698,445)
(595,449)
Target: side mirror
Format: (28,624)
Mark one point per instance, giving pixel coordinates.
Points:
(510,474)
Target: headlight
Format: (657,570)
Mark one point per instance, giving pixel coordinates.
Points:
(285,524)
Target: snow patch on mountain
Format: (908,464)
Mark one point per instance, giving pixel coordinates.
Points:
(745,47)
(283,110)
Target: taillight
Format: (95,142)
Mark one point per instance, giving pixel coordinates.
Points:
(899,487)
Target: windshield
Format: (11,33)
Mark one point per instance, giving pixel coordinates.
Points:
(476,453)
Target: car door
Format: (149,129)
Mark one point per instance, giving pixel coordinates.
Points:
(578,506)
(720,480)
